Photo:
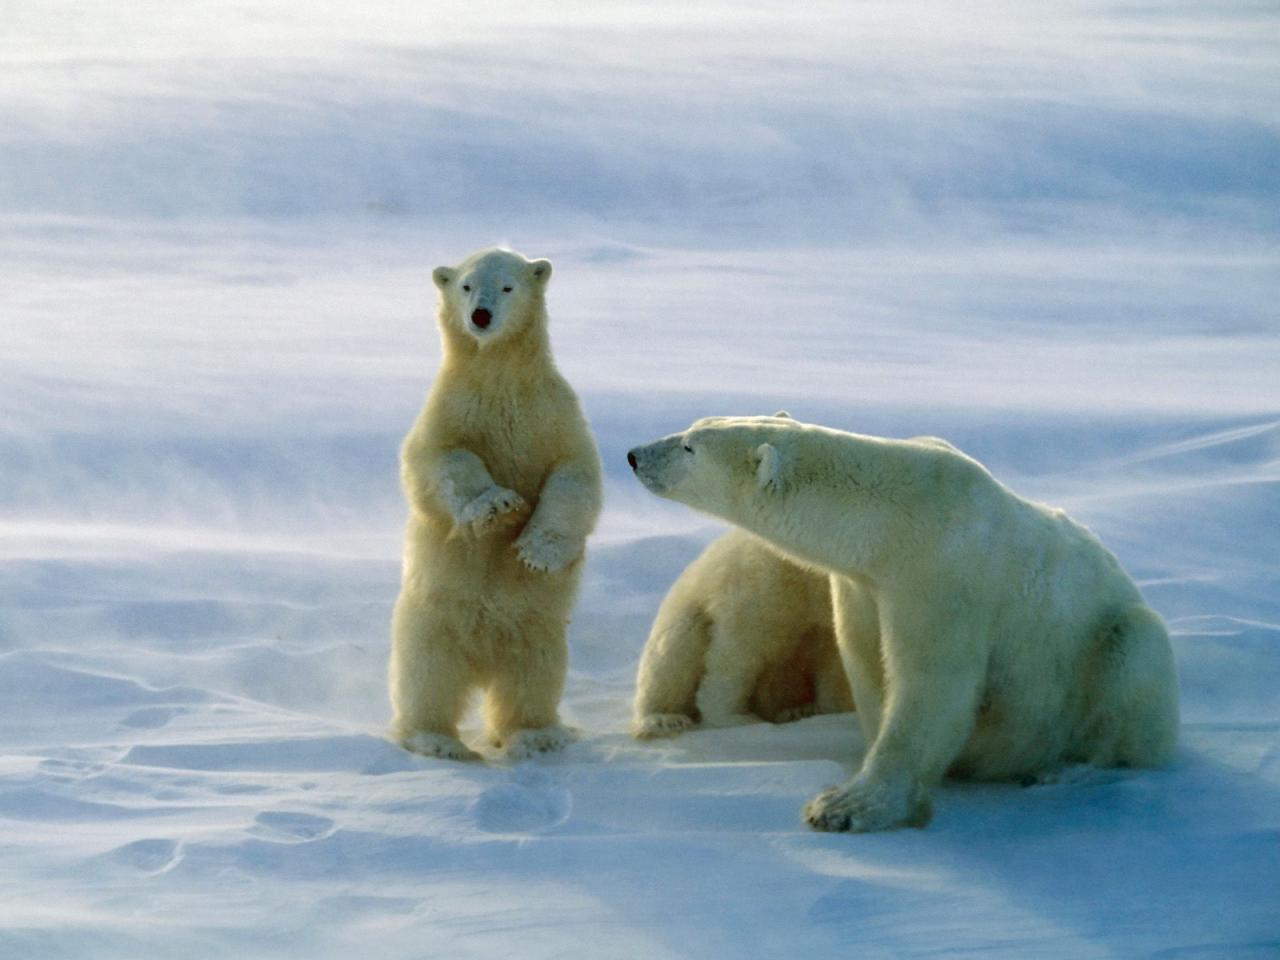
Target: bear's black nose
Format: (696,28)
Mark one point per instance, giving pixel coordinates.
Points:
(631,458)
(481,318)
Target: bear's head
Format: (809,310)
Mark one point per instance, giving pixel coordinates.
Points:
(492,296)
(720,465)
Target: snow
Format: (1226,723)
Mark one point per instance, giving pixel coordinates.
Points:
(1049,235)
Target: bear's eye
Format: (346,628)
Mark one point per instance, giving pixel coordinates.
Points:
(466,287)
(506,289)
(688,449)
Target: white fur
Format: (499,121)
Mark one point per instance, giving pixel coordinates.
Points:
(742,634)
(503,482)
(984,635)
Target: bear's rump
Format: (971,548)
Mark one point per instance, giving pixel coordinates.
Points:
(1032,695)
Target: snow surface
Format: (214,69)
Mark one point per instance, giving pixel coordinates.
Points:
(1046,232)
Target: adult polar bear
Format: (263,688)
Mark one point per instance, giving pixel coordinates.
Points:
(984,635)
(503,482)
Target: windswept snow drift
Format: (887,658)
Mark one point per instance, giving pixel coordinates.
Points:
(1049,236)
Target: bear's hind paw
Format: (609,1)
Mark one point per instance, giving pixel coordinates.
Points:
(656,725)
(524,744)
(792,714)
(439,745)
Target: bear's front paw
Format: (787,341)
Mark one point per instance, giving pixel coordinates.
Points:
(494,508)
(547,551)
(864,806)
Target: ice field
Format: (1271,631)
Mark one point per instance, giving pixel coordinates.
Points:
(1046,234)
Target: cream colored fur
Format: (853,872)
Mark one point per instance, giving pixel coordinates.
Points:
(984,635)
(742,635)
(503,482)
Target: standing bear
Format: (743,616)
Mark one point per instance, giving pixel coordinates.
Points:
(983,635)
(743,634)
(503,482)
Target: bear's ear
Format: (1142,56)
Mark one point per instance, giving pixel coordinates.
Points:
(541,271)
(769,467)
(782,415)
(443,276)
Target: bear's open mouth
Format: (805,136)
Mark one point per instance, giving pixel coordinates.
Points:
(481,318)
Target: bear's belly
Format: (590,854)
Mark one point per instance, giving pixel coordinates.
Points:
(485,572)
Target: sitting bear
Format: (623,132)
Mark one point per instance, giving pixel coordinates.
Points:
(503,482)
(743,634)
(983,635)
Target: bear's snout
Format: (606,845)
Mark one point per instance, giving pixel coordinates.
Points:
(481,318)
(647,463)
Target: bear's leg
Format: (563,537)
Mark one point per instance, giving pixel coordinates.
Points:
(857,623)
(524,695)
(556,534)
(735,659)
(472,497)
(430,683)
(934,678)
(1134,719)
(670,668)
(831,684)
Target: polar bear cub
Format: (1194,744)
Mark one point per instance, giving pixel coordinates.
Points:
(984,635)
(743,634)
(503,482)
